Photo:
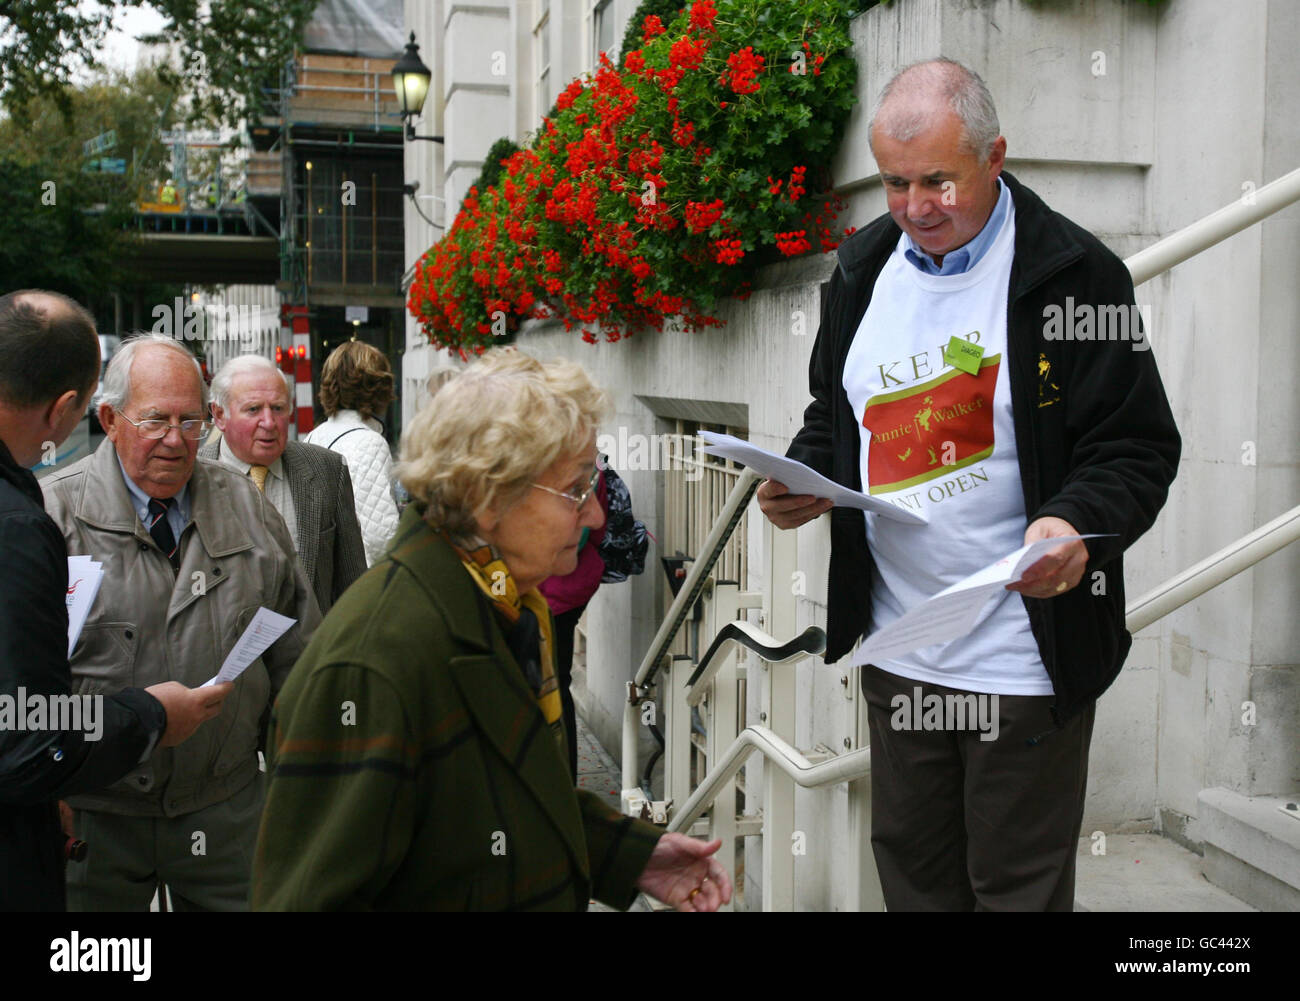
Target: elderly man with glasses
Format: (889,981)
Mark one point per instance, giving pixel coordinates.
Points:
(191,551)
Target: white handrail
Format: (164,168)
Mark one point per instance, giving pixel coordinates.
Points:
(1214,228)
(1213,570)
(728,518)
(726,521)
(841,768)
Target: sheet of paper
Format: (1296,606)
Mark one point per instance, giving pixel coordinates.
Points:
(800,479)
(954,611)
(84,578)
(267,627)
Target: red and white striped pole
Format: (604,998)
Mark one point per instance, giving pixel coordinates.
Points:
(302,368)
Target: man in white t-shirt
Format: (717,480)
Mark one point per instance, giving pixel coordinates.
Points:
(941,384)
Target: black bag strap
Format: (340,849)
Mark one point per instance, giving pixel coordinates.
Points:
(345,434)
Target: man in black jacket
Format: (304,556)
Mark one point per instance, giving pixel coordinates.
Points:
(949,336)
(49,363)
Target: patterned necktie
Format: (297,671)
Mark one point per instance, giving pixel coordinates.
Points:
(161,530)
(258,475)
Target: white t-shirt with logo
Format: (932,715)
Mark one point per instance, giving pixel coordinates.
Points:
(940,441)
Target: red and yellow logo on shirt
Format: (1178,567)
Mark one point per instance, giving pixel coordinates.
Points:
(929,430)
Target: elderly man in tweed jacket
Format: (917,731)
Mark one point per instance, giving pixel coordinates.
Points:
(308,485)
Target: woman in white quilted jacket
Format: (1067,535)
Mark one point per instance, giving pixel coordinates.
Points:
(356,384)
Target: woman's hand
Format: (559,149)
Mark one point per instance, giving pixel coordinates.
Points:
(683,873)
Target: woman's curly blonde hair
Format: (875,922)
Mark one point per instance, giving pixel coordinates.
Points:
(356,377)
(493,430)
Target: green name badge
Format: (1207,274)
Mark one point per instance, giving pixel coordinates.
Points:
(963,355)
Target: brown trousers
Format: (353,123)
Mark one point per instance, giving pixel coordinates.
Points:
(959,823)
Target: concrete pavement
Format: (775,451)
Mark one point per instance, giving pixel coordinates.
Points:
(1137,873)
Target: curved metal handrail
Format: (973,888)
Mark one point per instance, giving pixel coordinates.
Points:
(841,768)
(1213,570)
(1214,228)
(811,641)
(711,550)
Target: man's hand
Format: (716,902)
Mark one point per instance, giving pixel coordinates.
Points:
(65,819)
(786,510)
(187,708)
(1060,569)
(683,873)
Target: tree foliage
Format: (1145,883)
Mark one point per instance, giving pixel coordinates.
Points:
(51,132)
(665,10)
(50,235)
(492,163)
(228,50)
(63,228)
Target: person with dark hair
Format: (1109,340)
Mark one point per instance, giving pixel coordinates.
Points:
(41,401)
(606,555)
(356,386)
(39,326)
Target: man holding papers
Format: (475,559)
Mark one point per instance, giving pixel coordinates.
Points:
(49,363)
(191,551)
(940,385)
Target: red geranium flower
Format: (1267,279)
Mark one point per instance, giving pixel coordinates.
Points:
(743,68)
(702,14)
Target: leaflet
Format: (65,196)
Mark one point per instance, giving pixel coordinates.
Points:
(267,627)
(84,577)
(800,479)
(954,611)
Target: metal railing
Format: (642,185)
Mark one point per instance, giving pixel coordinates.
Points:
(1214,228)
(733,510)
(1212,571)
(786,766)
(806,773)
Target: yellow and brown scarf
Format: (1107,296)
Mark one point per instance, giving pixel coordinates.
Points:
(518,613)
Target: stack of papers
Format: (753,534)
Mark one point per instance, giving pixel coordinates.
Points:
(84,578)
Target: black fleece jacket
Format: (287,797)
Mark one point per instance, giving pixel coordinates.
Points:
(39,767)
(1096,440)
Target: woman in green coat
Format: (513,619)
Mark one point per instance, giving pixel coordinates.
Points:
(417,757)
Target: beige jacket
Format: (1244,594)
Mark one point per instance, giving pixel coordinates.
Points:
(148,625)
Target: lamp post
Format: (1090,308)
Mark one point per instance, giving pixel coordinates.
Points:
(411,82)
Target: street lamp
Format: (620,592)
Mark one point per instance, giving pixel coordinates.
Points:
(411,82)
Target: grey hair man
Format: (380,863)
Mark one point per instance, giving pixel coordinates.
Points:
(49,363)
(191,552)
(309,485)
(938,385)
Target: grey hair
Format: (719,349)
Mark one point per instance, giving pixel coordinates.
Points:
(117,378)
(490,432)
(242,365)
(966,93)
